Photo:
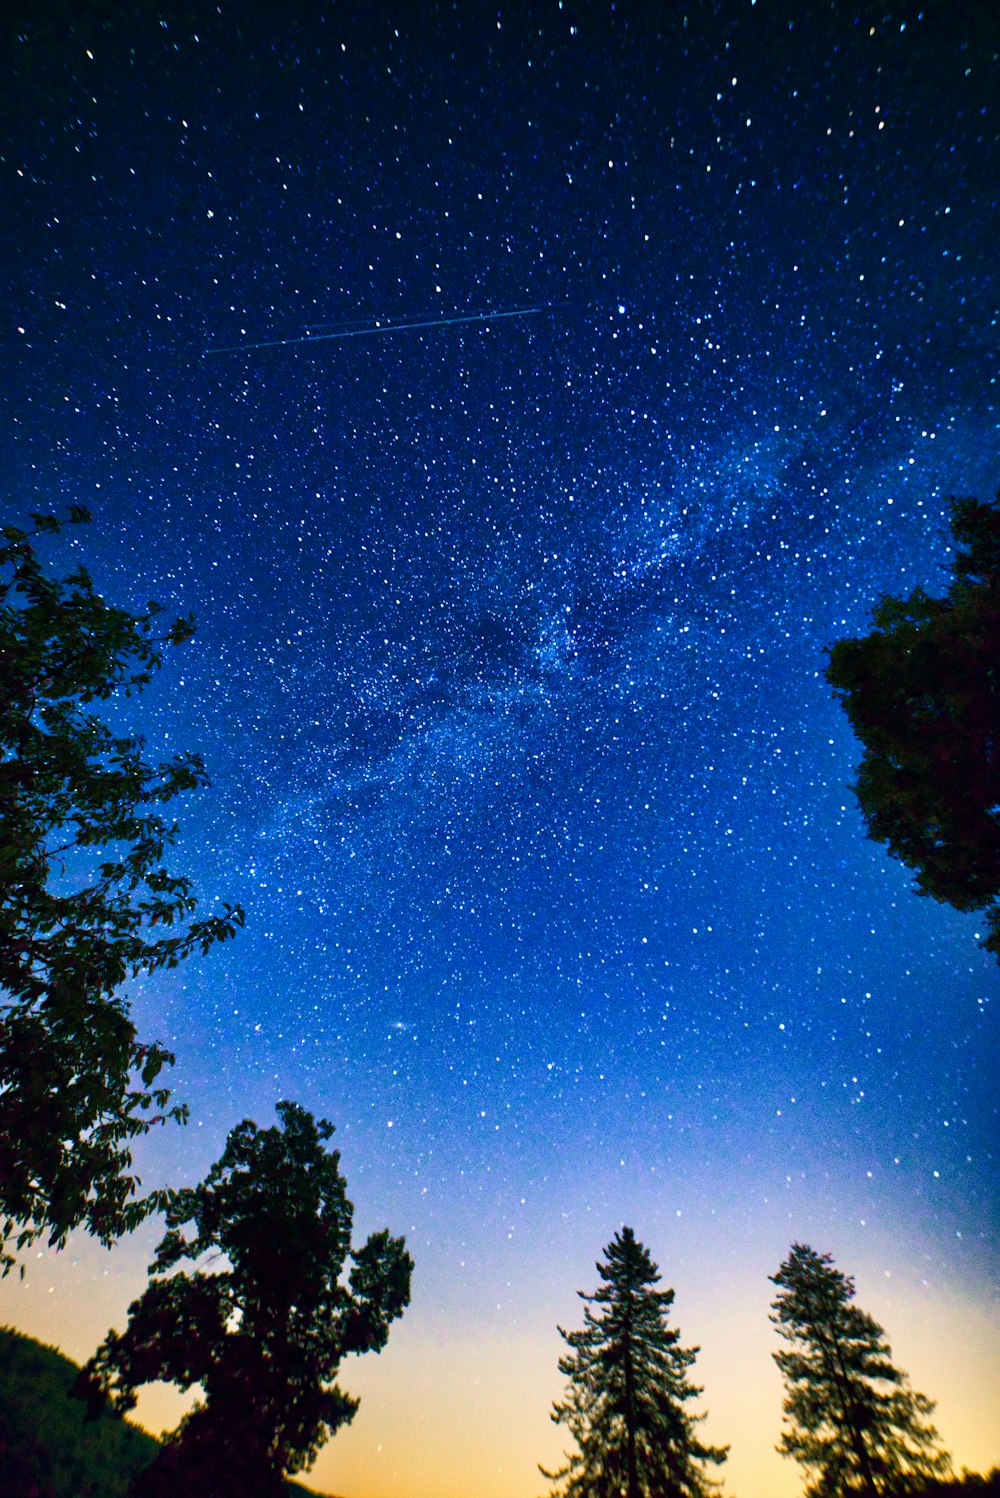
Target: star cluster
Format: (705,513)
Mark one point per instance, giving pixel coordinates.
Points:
(509,668)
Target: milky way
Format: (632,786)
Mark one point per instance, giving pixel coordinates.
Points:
(509,668)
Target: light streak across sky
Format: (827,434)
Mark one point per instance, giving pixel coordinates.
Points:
(509,665)
(378,327)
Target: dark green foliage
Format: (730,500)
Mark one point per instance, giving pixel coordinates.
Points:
(922,692)
(969,1485)
(851,1418)
(85,901)
(262,1325)
(48,1449)
(628,1388)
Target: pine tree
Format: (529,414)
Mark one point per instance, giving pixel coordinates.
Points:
(853,1422)
(628,1388)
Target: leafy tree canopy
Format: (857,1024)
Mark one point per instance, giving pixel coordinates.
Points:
(851,1418)
(262,1325)
(628,1391)
(922,692)
(85,900)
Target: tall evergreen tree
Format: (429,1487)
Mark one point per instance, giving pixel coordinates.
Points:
(628,1390)
(852,1420)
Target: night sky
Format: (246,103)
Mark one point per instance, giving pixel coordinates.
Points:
(509,668)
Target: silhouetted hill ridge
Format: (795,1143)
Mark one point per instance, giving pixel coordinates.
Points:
(48,1449)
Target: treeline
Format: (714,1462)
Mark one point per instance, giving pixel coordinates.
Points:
(264,1338)
(851,1419)
(969,1485)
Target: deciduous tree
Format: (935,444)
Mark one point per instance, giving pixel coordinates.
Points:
(262,1322)
(851,1418)
(922,692)
(85,900)
(626,1406)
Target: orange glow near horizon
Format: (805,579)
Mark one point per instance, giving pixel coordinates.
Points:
(510,678)
(451,1408)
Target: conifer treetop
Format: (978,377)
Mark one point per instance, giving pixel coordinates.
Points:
(625,1406)
(851,1419)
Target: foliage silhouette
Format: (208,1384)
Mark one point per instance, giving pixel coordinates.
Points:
(84,901)
(48,1447)
(922,692)
(263,1336)
(852,1420)
(969,1485)
(628,1387)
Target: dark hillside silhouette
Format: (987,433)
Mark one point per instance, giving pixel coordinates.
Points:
(48,1447)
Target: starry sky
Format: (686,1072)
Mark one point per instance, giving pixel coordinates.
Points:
(509,669)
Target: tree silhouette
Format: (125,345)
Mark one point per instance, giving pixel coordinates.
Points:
(264,1335)
(628,1388)
(922,692)
(82,893)
(852,1420)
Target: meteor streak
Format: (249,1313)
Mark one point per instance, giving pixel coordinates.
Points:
(382,327)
